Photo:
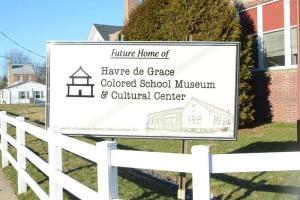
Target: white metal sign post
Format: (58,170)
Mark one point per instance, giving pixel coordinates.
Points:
(179,90)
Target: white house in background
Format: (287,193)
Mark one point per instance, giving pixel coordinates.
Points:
(101,32)
(24,92)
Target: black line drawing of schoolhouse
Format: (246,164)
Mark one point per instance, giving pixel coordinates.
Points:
(196,116)
(80,86)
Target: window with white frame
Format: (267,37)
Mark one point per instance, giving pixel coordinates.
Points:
(294,45)
(274,48)
(22,95)
(279,49)
(37,94)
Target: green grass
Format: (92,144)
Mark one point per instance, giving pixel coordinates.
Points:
(273,137)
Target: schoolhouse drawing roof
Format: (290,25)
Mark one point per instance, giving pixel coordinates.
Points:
(179,109)
(22,69)
(80,73)
(210,107)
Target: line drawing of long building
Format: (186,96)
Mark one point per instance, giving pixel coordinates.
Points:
(196,116)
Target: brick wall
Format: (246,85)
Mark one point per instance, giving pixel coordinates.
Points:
(24,77)
(276,95)
(130,5)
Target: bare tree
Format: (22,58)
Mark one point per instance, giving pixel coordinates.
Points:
(18,57)
(40,71)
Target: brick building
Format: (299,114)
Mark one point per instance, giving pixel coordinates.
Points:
(17,73)
(274,25)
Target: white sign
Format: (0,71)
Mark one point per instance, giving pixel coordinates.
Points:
(186,90)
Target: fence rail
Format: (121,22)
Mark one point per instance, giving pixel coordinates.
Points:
(108,158)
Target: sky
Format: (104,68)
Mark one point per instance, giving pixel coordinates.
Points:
(32,23)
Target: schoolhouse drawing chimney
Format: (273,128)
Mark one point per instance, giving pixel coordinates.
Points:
(130,5)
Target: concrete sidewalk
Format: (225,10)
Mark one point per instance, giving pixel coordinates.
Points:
(6,191)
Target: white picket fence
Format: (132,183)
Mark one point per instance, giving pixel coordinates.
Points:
(107,158)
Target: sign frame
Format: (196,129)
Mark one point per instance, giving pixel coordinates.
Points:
(103,134)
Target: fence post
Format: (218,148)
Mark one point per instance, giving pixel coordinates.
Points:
(4,144)
(201,172)
(107,175)
(55,164)
(20,137)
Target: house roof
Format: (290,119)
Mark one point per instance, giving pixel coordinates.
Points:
(80,73)
(179,109)
(22,69)
(21,83)
(106,30)
(210,107)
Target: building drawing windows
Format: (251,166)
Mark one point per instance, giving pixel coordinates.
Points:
(195,119)
(196,116)
(80,86)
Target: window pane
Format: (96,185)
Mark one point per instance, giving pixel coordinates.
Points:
(294,45)
(37,94)
(22,95)
(274,48)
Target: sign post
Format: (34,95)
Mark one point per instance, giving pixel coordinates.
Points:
(184,148)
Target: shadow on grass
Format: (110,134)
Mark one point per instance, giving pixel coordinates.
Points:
(148,181)
(145,180)
(259,147)
(250,185)
(39,122)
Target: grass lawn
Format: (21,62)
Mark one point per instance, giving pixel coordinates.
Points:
(134,184)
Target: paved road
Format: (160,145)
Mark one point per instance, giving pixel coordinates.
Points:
(6,191)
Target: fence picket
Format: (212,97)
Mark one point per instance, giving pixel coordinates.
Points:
(107,174)
(201,172)
(55,164)
(4,145)
(20,137)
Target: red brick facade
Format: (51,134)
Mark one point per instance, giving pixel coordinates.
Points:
(276,95)
(24,77)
